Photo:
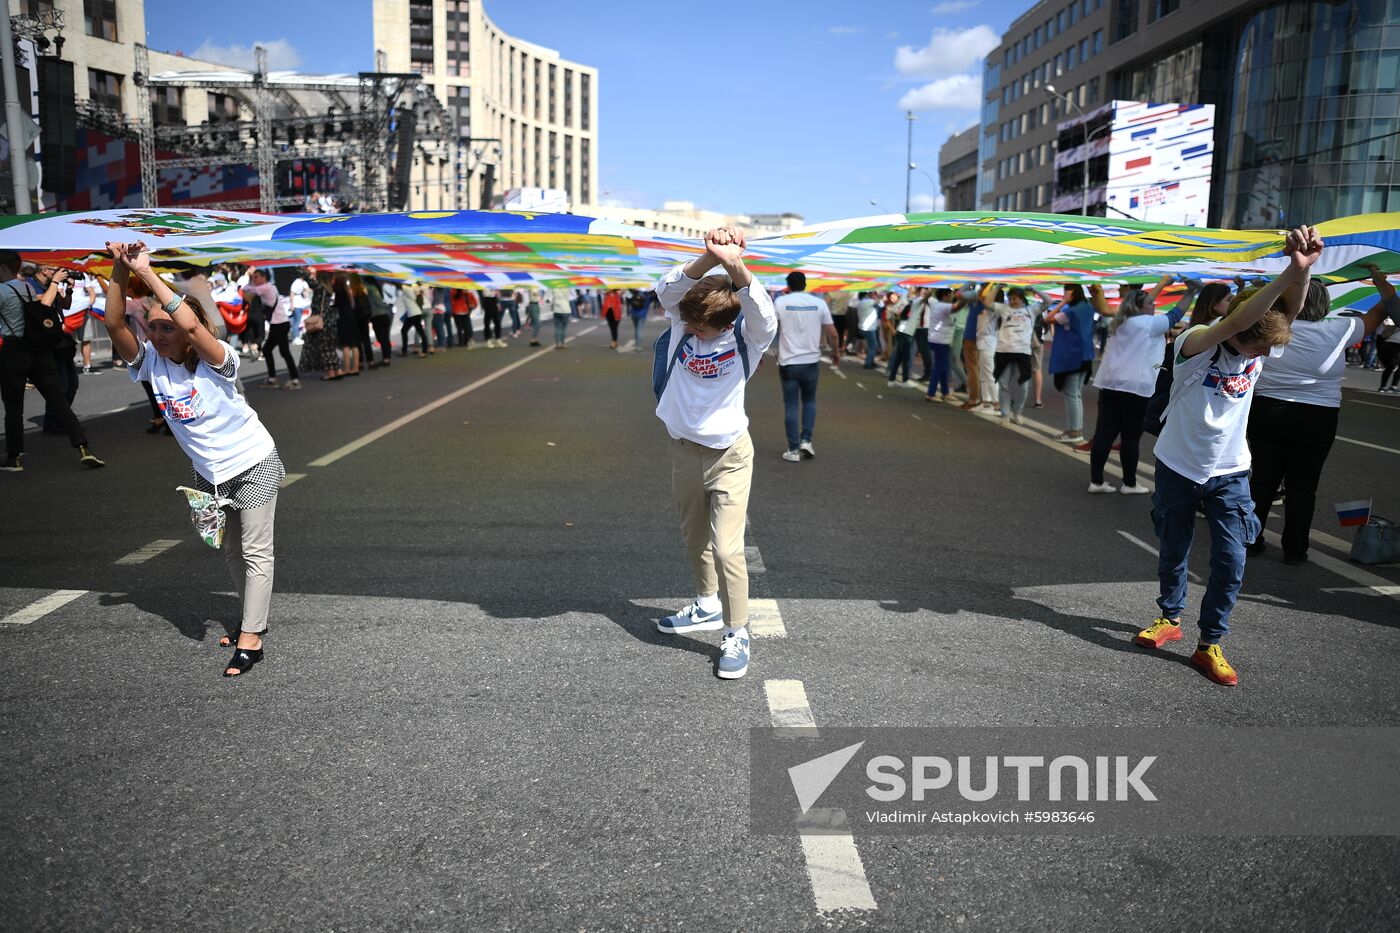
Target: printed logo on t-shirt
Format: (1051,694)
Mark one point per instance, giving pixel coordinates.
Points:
(1232,385)
(711,365)
(182,409)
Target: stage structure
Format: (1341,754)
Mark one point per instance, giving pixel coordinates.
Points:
(342,121)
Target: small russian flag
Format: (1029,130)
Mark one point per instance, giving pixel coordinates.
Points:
(1350,514)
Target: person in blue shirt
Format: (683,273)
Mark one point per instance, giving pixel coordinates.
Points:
(971,297)
(1072,357)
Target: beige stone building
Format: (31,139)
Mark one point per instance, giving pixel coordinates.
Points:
(542,108)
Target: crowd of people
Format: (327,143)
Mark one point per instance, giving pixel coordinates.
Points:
(1241,384)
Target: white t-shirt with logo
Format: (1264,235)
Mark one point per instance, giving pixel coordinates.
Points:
(208,416)
(301,294)
(704,399)
(988,323)
(940,322)
(1309,370)
(1203,435)
(1134,353)
(1014,333)
(868,312)
(801,318)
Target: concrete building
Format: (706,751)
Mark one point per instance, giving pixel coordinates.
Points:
(683,218)
(542,109)
(957,170)
(1306,96)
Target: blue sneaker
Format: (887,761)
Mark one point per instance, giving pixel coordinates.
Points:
(734,655)
(692,619)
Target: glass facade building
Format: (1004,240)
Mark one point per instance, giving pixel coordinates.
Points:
(1314,129)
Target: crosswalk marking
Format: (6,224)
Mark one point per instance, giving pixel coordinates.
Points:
(154,549)
(292,478)
(765,621)
(42,607)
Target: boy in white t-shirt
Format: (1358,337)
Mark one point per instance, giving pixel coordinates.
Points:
(720,327)
(1203,457)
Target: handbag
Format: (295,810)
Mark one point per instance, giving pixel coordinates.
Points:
(1376,542)
(43,325)
(314,324)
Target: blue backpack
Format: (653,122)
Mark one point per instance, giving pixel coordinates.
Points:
(665,361)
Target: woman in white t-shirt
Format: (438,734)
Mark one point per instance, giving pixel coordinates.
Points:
(1388,333)
(1011,360)
(1293,421)
(1127,377)
(940,340)
(195,378)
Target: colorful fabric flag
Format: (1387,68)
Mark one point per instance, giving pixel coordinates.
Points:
(474,248)
(1351,514)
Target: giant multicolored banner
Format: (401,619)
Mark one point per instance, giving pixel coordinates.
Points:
(495,248)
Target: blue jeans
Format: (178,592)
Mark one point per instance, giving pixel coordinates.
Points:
(938,378)
(509,307)
(1230,516)
(902,356)
(639,324)
(872,346)
(799,381)
(1074,402)
(561,327)
(439,330)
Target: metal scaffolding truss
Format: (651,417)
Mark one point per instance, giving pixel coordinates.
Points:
(294,117)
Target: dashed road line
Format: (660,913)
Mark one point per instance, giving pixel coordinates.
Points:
(1379,585)
(42,607)
(450,397)
(834,867)
(1191,574)
(765,621)
(754,559)
(1357,401)
(292,478)
(154,549)
(1389,450)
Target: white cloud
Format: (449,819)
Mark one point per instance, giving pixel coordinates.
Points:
(955,6)
(947,52)
(960,92)
(921,203)
(281,55)
(844,30)
(892,34)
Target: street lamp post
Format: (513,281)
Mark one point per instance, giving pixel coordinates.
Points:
(908,159)
(1088,138)
(934,184)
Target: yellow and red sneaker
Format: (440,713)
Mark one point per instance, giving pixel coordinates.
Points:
(1158,634)
(1211,660)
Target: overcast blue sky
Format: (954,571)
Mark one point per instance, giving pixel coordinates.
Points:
(739,108)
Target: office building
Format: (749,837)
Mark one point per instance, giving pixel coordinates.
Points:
(957,170)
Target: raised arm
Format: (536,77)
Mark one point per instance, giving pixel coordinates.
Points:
(205,344)
(1153,295)
(124,342)
(1303,247)
(1100,302)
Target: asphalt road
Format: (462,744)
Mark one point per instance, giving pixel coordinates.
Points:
(468,721)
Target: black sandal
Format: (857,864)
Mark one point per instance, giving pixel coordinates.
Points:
(243,659)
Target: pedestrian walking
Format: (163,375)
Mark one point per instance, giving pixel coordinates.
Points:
(637,301)
(232,456)
(1011,360)
(803,320)
(1072,357)
(720,326)
(562,306)
(940,339)
(31,328)
(612,312)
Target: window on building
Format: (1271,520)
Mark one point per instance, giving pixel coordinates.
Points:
(584,158)
(105,89)
(167,106)
(100,19)
(1049,29)
(568,97)
(585,104)
(1098,41)
(1036,34)
(553,160)
(222,107)
(538,95)
(1159,8)
(1093,89)
(569,165)
(553,114)
(1125,18)
(1084,50)
(1006,59)
(1059,64)
(1074,13)
(1060,21)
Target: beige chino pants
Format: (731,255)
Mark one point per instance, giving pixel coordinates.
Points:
(711,488)
(248,553)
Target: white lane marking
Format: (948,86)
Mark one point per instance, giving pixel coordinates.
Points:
(754,559)
(765,621)
(450,397)
(1379,585)
(292,478)
(154,549)
(788,706)
(1388,590)
(834,866)
(42,607)
(1195,577)
(838,372)
(861,384)
(1357,401)
(917,418)
(1389,450)
(837,873)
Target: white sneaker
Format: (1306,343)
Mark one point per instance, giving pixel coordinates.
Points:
(792,456)
(891,384)
(1134,490)
(1101,488)
(806,449)
(1015,418)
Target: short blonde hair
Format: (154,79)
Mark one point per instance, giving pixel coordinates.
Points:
(711,303)
(1273,329)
